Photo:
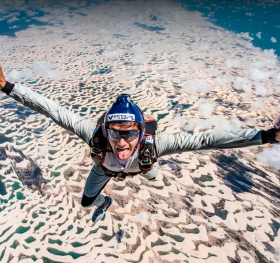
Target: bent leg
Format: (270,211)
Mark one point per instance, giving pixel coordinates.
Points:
(95,183)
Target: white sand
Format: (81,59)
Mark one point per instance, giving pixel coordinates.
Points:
(166,219)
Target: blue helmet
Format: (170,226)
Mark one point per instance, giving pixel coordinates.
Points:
(124,110)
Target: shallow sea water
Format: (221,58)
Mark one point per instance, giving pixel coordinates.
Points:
(243,16)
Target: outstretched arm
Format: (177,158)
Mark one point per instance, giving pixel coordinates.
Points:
(65,118)
(167,143)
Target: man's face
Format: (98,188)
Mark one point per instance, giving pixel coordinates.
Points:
(123,149)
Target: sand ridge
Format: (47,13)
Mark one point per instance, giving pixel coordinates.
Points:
(200,208)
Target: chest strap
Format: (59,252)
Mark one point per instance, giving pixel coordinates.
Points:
(98,144)
(120,175)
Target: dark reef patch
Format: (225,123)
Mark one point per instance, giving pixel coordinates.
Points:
(150,28)
(30,175)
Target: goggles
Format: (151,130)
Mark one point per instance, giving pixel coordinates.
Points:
(129,135)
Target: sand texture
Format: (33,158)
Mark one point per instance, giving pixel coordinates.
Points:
(204,206)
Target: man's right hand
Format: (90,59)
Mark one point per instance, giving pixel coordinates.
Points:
(2,79)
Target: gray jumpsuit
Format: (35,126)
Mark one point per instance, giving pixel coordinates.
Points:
(165,143)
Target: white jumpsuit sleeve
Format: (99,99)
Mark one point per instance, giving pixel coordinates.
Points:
(65,118)
(167,143)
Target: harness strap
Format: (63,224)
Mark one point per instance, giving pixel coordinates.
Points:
(146,148)
(120,175)
(98,146)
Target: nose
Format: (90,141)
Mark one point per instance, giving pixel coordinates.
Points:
(122,142)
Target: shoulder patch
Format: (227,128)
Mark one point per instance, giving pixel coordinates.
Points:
(150,139)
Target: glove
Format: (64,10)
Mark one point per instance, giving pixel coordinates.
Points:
(269,135)
(8,87)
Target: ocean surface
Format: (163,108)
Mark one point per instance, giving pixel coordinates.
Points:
(261,19)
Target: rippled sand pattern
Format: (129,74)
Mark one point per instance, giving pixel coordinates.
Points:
(208,206)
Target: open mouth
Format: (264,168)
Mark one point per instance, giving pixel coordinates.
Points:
(123,153)
(123,149)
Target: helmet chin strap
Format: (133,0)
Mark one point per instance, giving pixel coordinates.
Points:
(136,147)
(104,130)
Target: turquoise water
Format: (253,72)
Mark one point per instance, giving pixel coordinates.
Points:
(9,27)
(2,188)
(251,16)
(243,16)
(61,253)
(25,19)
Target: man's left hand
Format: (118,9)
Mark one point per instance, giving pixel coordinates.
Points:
(2,79)
(277,135)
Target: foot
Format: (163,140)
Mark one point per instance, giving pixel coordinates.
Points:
(100,211)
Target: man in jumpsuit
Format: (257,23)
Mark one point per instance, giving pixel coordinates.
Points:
(124,127)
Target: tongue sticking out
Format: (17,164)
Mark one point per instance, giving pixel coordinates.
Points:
(123,153)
